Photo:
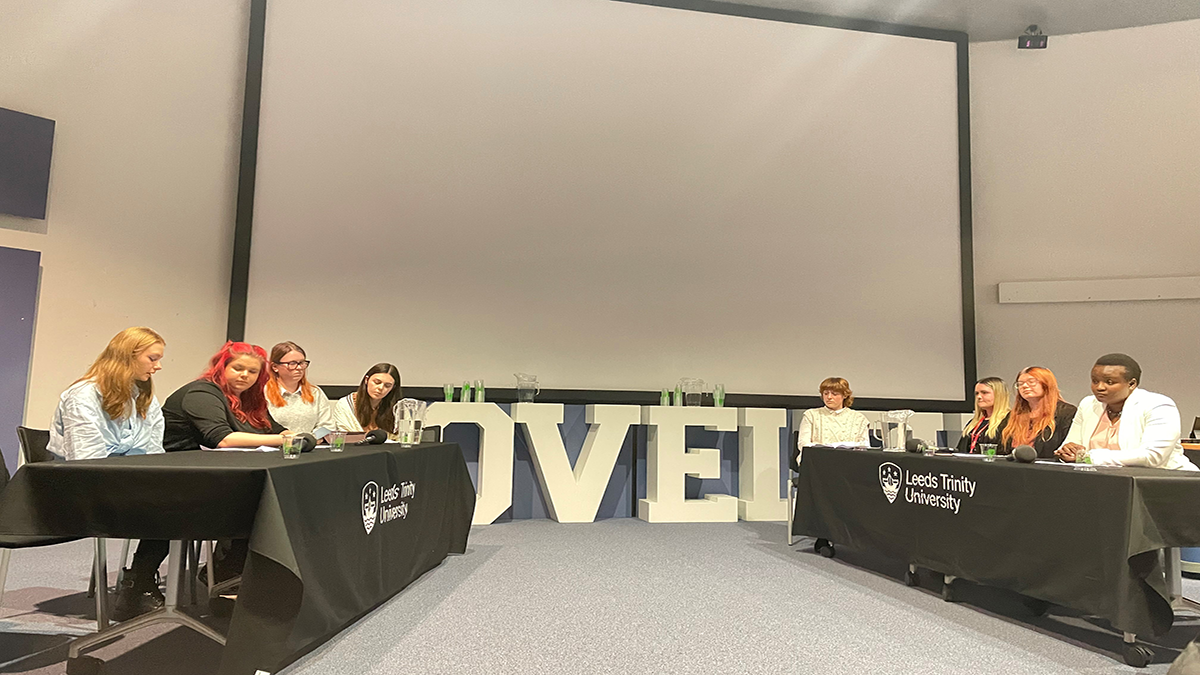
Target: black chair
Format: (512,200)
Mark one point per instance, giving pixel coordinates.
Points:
(793,483)
(431,434)
(34,450)
(1196,429)
(33,445)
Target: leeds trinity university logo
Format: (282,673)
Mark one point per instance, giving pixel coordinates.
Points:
(890,476)
(370,505)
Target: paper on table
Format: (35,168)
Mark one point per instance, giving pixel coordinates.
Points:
(261,448)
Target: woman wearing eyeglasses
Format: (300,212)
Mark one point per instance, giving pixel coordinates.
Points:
(1040,417)
(298,405)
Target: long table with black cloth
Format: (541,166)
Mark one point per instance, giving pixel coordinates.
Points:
(332,535)
(1083,537)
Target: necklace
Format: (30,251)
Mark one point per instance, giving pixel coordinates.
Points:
(1113,415)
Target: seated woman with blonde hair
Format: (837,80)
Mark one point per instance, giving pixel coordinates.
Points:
(992,405)
(111,411)
(835,423)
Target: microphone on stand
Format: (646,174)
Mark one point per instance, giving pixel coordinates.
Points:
(1024,454)
(307,442)
(373,437)
(915,445)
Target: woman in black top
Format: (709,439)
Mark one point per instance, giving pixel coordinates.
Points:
(1040,417)
(992,404)
(225,408)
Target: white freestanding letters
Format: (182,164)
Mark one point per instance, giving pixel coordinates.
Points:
(573,495)
(494,488)
(668,460)
(758,464)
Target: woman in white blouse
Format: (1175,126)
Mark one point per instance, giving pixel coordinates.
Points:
(1121,424)
(836,422)
(292,400)
(370,407)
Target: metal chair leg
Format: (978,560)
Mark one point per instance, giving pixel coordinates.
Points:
(791,511)
(100,583)
(169,613)
(5,554)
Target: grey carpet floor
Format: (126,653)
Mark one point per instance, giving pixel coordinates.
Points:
(621,596)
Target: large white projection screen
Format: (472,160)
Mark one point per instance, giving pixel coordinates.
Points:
(611,196)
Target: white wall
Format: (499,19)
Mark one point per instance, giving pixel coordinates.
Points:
(1086,164)
(147,97)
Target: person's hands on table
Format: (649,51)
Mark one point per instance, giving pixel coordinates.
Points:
(1069,451)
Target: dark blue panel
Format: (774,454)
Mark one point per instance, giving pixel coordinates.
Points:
(18,302)
(26,143)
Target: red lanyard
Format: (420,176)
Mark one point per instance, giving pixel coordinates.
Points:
(977,432)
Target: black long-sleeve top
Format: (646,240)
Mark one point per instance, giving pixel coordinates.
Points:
(964,443)
(198,414)
(1046,443)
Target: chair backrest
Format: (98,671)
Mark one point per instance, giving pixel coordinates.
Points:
(1196,428)
(431,434)
(4,475)
(33,445)
(794,453)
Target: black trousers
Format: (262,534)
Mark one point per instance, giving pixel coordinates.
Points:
(151,553)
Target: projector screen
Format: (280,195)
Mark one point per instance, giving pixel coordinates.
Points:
(608,195)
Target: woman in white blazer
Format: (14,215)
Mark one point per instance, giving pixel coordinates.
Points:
(1122,425)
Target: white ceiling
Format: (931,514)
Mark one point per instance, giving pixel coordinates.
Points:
(985,20)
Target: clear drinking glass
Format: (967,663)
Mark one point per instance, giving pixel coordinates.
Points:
(719,395)
(291,446)
(337,441)
(479,398)
(448,392)
(988,450)
(466,392)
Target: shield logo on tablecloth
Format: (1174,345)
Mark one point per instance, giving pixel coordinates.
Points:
(370,505)
(890,477)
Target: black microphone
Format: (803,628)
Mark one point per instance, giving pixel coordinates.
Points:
(307,442)
(915,445)
(1024,454)
(373,437)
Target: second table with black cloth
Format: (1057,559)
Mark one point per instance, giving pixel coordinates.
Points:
(1083,537)
(325,546)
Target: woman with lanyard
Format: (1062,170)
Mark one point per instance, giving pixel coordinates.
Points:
(992,405)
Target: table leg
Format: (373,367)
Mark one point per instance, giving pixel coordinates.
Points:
(100,578)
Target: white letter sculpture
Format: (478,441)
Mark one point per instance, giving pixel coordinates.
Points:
(495,483)
(573,495)
(758,464)
(668,460)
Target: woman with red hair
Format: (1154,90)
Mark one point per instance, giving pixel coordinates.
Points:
(1040,417)
(226,407)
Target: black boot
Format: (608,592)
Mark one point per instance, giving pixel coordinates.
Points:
(137,595)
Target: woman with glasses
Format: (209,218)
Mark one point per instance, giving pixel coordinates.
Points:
(371,406)
(1040,417)
(298,405)
(992,405)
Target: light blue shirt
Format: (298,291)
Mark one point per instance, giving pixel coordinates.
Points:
(82,430)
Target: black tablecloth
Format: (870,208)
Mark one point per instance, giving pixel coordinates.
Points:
(1082,537)
(331,535)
